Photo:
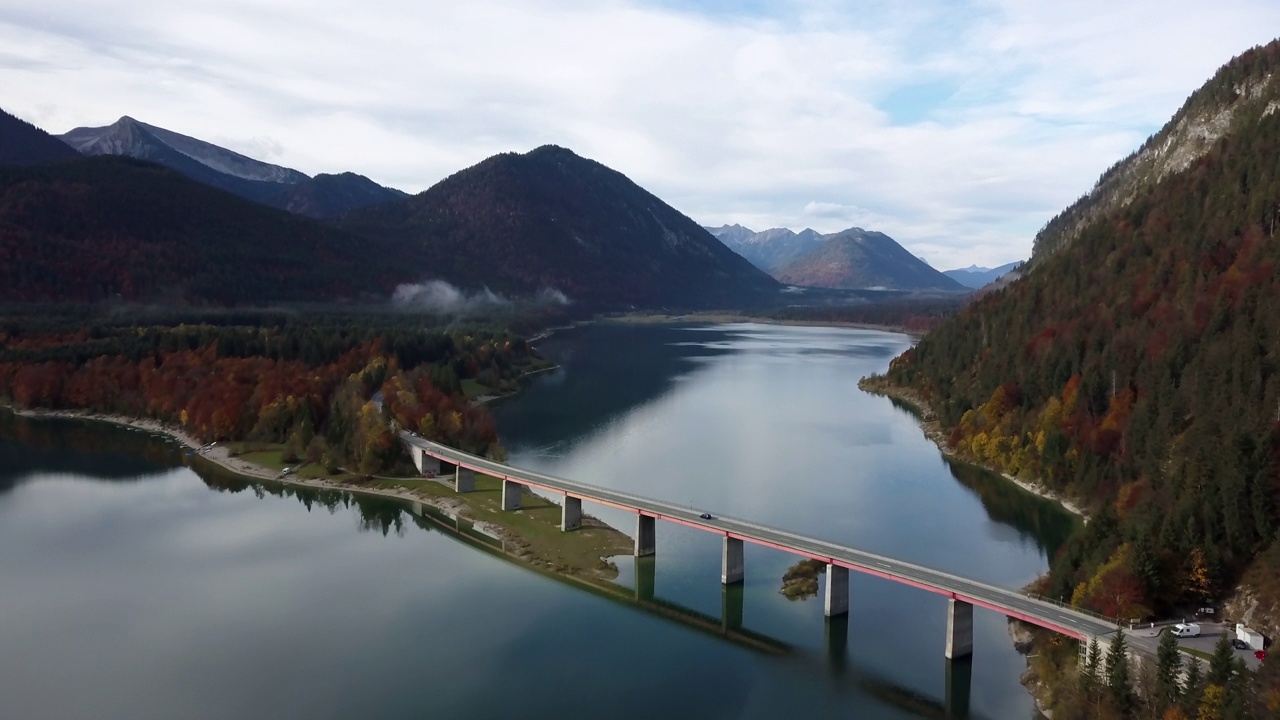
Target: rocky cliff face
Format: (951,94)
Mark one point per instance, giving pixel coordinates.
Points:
(1243,91)
(136,139)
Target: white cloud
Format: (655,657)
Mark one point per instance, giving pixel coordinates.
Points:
(785,119)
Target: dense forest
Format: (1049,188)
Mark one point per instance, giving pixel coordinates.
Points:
(306,381)
(1136,367)
(22,143)
(113,228)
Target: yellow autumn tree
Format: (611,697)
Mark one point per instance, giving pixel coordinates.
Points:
(1199,584)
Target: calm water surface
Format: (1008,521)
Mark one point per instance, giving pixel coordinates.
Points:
(133,586)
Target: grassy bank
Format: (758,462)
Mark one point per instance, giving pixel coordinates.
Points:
(531,534)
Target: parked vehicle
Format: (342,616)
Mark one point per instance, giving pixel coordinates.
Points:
(1252,638)
(1186,630)
(1239,644)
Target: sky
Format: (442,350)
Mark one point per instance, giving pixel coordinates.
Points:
(958,127)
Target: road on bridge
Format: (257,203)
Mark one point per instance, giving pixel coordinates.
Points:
(1062,619)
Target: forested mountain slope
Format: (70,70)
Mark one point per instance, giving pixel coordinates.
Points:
(22,143)
(1235,96)
(112,228)
(521,223)
(1137,367)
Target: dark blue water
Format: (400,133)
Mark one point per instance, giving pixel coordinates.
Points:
(131,586)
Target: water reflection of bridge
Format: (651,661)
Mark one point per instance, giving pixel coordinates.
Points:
(387,515)
(728,625)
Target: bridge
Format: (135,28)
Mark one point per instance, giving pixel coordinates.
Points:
(962,593)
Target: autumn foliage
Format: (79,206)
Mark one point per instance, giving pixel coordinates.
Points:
(323,407)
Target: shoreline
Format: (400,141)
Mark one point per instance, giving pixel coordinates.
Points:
(728,318)
(220,456)
(932,429)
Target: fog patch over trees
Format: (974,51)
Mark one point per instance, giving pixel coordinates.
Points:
(442,298)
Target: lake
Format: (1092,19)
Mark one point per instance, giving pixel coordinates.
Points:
(136,586)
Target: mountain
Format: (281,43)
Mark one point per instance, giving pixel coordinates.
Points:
(1135,366)
(857,258)
(770,249)
(113,228)
(976,277)
(1237,94)
(198,160)
(324,196)
(521,223)
(328,196)
(22,143)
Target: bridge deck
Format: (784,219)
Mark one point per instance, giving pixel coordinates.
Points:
(1065,620)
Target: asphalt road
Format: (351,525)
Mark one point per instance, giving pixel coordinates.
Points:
(1061,619)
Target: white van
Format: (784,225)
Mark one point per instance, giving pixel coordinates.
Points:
(1186,630)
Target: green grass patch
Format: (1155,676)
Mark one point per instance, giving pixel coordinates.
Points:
(1206,656)
(473,389)
(271,459)
(535,528)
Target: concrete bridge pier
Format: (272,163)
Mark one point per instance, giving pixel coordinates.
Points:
(424,462)
(959,629)
(732,570)
(464,480)
(511,495)
(836,600)
(646,534)
(571,513)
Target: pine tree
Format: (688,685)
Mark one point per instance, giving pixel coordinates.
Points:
(1168,666)
(1089,673)
(1117,669)
(1192,688)
(1220,667)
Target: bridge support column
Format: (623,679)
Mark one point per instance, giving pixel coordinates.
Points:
(731,564)
(646,534)
(836,601)
(571,513)
(424,462)
(464,480)
(511,495)
(959,629)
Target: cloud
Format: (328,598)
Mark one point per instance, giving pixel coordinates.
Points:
(959,128)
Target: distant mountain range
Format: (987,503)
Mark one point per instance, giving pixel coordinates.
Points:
(851,259)
(551,219)
(976,277)
(769,249)
(323,196)
(97,229)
